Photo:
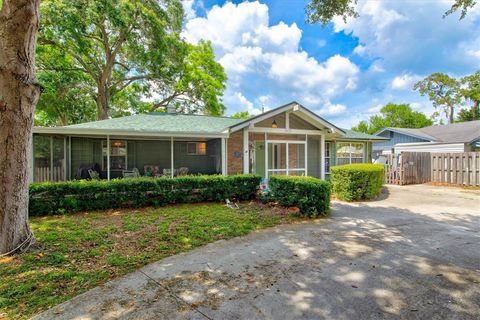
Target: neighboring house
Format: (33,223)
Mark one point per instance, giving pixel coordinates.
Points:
(456,137)
(288,140)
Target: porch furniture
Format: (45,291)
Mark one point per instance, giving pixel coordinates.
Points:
(182,171)
(168,172)
(94,175)
(83,171)
(151,171)
(134,173)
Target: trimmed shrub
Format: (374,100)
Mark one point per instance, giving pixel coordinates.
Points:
(83,195)
(310,195)
(357,181)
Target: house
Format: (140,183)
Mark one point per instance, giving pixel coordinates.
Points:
(449,138)
(289,140)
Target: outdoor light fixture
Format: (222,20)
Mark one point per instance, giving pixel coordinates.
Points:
(274,124)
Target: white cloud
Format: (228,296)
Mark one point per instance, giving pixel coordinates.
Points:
(266,60)
(405,81)
(413,36)
(332,109)
(375,109)
(189,9)
(236,98)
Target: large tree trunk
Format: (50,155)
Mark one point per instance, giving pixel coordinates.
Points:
(19,93)
(103,100)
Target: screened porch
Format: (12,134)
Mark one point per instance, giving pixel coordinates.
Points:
(60,158)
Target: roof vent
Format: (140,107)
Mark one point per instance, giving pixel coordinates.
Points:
(171,109)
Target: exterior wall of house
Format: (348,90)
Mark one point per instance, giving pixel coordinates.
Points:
(235,153)
(395,138)
(431,147)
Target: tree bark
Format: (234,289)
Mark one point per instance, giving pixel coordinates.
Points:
(19,93)
(475,110)
(451,115)
(102,101)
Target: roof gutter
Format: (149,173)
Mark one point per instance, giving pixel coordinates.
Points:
(126,133)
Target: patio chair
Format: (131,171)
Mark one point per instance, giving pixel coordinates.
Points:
(182,171)
(94,175)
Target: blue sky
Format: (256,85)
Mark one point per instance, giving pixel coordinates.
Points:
(345,71)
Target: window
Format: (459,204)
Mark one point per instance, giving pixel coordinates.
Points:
(348,152)
(327,157)
(118,155)
(197,148)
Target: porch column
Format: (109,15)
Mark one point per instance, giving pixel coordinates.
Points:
(322,156)
(224,156)
(31,162)
(246,156)
(108,158)
(171,157)
(64,158)
(51,158)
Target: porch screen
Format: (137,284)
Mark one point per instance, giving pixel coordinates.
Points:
(286,158)
(49,158)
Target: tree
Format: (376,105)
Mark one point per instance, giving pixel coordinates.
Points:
(323,11)
(443,92)
(19,92)
(242,115)
(467,115)
(200,81)
(117,44)
(470,91)
(394,115)
(63,100)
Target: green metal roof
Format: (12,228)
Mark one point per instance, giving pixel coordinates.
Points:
(162,122)
(350,134)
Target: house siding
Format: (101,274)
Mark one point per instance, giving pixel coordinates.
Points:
(395,138)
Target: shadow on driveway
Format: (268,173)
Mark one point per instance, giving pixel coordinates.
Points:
(412,254)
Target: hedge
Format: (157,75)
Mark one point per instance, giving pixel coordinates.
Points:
(310,195)
(357,181)
(83,195)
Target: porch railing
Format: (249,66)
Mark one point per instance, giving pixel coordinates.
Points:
(43,174)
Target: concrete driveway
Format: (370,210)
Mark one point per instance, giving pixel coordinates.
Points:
(413,254)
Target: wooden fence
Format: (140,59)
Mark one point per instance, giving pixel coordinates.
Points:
(456,168)
(43,174)
(421,167)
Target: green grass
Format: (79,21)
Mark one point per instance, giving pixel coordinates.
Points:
(83,250)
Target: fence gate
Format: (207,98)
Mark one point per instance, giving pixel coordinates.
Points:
(408,168)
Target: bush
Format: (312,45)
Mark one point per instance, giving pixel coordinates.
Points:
(357,181)
(83,195)
(310,195)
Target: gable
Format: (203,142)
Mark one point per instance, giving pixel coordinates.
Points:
(301,117)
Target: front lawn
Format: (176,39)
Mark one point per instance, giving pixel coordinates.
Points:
(83,250)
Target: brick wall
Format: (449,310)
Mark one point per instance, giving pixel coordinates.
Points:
(235,146)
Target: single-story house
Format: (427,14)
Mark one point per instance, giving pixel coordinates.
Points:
(288,140)
(449,138)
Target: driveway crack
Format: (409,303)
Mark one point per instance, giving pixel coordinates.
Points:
(173,294)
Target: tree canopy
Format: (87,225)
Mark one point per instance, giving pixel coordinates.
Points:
(394,115)
(443,92)
(324,11)
(125,56)
(242,115)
